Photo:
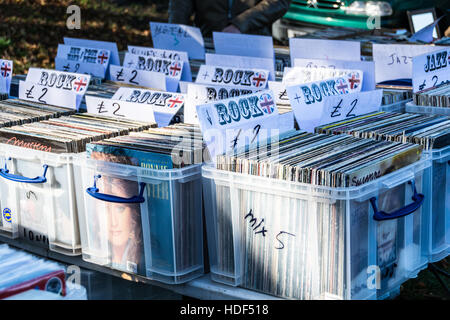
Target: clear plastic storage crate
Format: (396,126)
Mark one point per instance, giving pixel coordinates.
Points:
(411,107)
(395,107)
(39,199)
(143,221)
(299,241)
(437,179)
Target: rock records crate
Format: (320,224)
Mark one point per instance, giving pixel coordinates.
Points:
(437,179)
(143,221)
(39,200)
(300,241)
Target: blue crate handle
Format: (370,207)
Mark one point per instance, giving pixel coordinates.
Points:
(406,210)
(93,192)
(14,177)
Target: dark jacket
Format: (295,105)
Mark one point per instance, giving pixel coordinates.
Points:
(249,16)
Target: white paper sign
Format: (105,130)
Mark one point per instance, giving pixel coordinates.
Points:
(198,94)
(165,104)
(305,98)
(186,74)
(178,37)
(324,49)
(48,95)
(230,124)
(96,70)
(431,70)
(367,67)
(348,106)
(141,78)
(6,70)
(394,61)
(84,54)
(299,75)
(111,46)
(246,77)
(120,109)
(241,62)
(280,93)
(243,45)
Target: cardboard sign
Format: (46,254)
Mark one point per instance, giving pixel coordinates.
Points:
(48,95)
(305,98)
(96,70)
(56,81)
(394,61)
(431,70)
(367,67)
(241,62)
(119,109)
(243,45)
(198,94)
(186,74)
(298,75)
(324,49)
(230,124)
(141,78)
(165,104)
(6,70)
(178,37)
(251,78)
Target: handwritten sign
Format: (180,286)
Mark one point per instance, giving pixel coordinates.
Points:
(110,46)
(165,105)
(431,70)
(200,94)
(233,123)
(394,61)
(55,81)
(324,49)
(241,62)
(120,109)
(48,95)
(252,78)
(178,37)
(367,67)
(96,70)
(298,75)
(186,74)
(6,70)
(243,45)
(78,59)
(280,93)
(136,77)
(308,97)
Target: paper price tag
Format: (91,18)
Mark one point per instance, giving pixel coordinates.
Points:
(243,45)
(216,75)
(200,94)
(6,70)
(393,62)
(165,105)
(48,95)
(78,83)
(324,49)
(307,99)
(136,77)
(178,37)
(186,74)
(233,123)
(298,75)
(119,109)
(280,93)
(242,62)
(102,45)
(96,70)
(431,70)
(367,67)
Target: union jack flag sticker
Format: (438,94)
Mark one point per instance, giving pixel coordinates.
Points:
(6,69)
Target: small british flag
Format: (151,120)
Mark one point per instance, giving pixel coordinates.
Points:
(5,69)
